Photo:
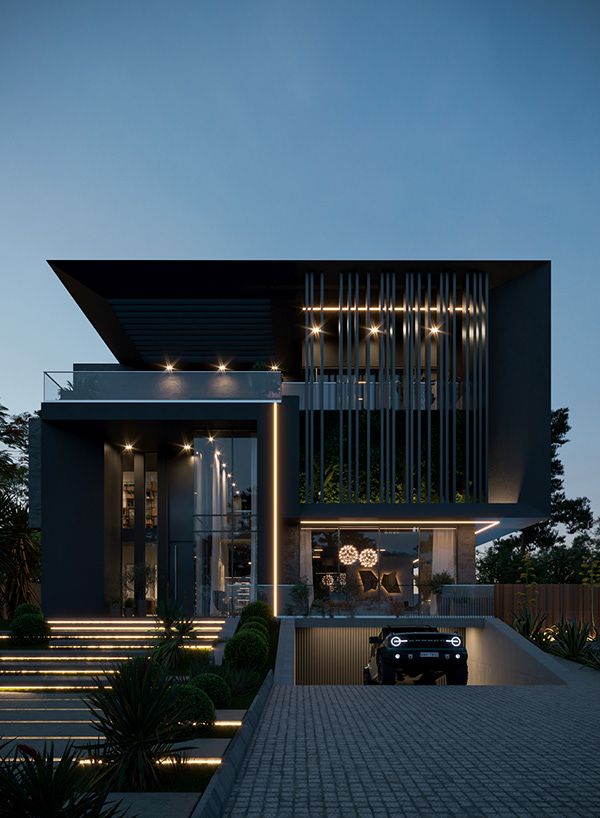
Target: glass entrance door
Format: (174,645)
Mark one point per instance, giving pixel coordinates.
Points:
(225,531)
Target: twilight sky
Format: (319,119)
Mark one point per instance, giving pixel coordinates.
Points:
(274,129)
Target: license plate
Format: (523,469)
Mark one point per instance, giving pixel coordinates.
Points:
(429,654)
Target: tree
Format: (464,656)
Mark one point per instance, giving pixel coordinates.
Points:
(19,546)
(14,461)
(553,559)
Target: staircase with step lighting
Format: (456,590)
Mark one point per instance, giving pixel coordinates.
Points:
(80,650)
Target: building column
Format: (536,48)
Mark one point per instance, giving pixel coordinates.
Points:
(465,554)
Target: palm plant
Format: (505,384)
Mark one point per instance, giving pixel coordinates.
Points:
(137,713)
(33,785)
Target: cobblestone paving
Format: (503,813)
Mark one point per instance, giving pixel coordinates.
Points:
(324,752)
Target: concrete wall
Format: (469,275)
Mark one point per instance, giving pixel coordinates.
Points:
(334,652)
(499,656)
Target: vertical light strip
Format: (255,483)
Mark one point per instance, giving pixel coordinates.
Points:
(275,507)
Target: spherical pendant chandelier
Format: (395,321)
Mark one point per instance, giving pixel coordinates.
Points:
(348,554)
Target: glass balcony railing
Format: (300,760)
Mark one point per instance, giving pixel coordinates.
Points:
(126,385)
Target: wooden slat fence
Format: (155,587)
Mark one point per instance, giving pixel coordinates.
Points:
(568,601)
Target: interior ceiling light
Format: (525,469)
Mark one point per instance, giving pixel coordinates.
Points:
(374,330)
(434,330)
(348,554)
(368,558)
(315,330)
(128,447)
(187,447)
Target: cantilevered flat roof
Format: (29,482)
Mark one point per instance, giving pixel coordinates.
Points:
(197,310)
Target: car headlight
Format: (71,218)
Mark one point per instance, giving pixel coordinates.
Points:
(396,641)
(455,641)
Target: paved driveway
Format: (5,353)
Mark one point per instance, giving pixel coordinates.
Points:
(425,751)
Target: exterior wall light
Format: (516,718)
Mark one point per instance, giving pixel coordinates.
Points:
(222,367)
(348,554)
(274,368)
(169,367)
(187,447)
(315,330)
(128,447)
(211,439)
(374,330)
(434,330)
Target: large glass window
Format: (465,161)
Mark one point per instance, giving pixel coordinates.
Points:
(139,572)
(379,570)
(225,523)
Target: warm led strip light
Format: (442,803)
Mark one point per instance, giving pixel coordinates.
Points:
(377,308)
(83,672)
(63,658)
(404,523)
(275,508)
(228,723)
(45,721)
(44,688)
(124,622)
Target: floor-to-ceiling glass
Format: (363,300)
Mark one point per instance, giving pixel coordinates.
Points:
(225,529)
(388,571)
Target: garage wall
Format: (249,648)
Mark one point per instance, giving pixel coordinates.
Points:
(499,656)
(334,655)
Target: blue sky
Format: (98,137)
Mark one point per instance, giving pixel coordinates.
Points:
(394,129)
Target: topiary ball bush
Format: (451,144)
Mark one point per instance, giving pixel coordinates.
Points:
(215,687)
(29,629)
(258,627)
(259,610)
(247,649)
(27,608)
(194,706)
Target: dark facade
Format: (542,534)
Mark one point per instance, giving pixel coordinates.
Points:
(297,431)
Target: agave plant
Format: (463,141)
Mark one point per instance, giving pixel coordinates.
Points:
(137,713)
(33,785)
(532,627)
(571,639)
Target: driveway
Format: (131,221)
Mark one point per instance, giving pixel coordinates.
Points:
(423,751)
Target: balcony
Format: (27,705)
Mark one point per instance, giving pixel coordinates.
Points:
(119,386)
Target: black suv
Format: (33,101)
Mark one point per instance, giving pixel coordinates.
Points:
(417,655)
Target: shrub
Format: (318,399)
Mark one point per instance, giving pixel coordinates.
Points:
(29,629)
(240,679)
(215,687)
(194,706)
(32,783)
(258,627)
(27,608)
(136,710)
(247,649)
(259,610)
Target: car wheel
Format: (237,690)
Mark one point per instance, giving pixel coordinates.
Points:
(457,677)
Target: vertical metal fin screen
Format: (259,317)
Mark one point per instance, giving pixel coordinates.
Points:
(395,388)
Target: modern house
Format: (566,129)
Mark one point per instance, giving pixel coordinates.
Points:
(290,430)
